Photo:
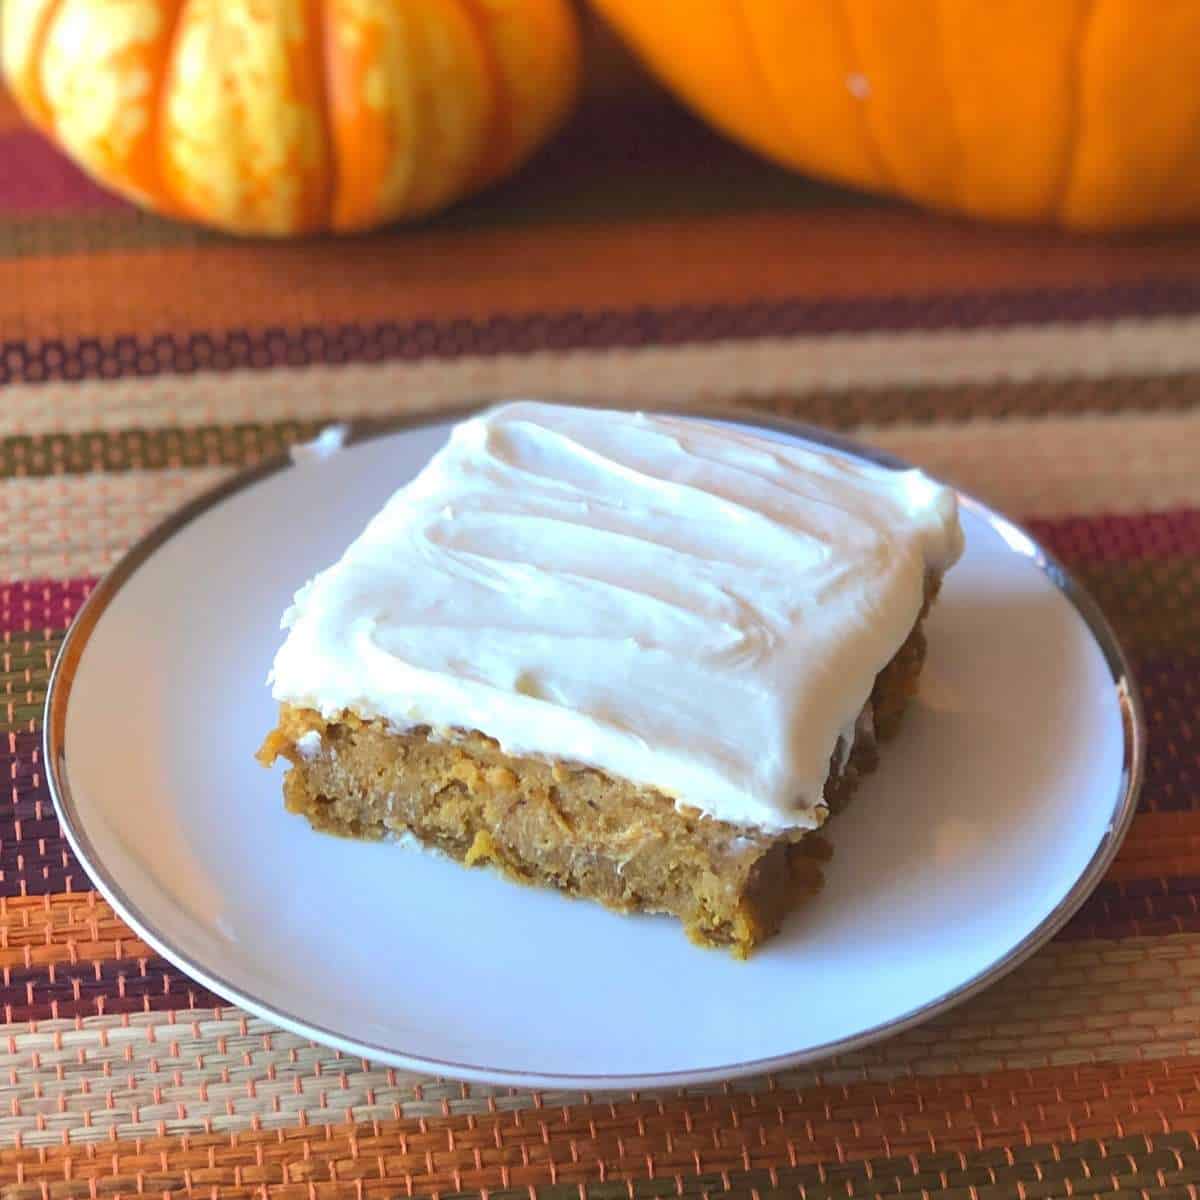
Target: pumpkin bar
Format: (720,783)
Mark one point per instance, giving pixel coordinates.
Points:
(633,657)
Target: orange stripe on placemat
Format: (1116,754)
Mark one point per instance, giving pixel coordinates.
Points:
(196,1067)
(1092,1121)
(75,927)
(1160,845)
(407,274)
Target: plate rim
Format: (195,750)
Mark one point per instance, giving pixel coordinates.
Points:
(355,432)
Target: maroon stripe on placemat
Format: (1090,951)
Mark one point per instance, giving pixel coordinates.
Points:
(1119,538)
(67,990)
(35,178)
(1138,908)
(1170,690)
(42,606)
(35,859)
(580,329)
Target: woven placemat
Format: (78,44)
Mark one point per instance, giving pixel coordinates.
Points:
(639,258)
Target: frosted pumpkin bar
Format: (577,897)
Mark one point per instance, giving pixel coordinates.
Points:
(637,658)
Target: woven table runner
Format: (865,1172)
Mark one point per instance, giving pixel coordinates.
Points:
(638,259)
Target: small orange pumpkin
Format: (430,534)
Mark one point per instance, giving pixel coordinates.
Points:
(289,116)
(1081,112)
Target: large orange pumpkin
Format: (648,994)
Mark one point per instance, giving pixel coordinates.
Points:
(1084,112)
(286,116)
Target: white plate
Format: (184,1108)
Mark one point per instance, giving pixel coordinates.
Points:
(991,818)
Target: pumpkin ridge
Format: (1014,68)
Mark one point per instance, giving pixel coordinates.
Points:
(499,134)
(958,179)
(888,178)
(754,56)
(319,24)
(157,107)
(40,108)
(1180,175)
(1061,191)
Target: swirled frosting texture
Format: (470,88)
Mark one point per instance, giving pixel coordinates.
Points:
(682,605)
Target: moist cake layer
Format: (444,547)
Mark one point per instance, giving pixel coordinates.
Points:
(682,607)
(570,826)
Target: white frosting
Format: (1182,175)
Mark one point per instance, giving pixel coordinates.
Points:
(682,605)
(309,744)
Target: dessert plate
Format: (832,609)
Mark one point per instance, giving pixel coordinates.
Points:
(991,818)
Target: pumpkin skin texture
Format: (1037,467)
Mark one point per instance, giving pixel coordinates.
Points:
(285,117)
(1084,113)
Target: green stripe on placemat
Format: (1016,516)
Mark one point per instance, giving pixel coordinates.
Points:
(515,205)
(246,443)
(24,675)
(1155,606)
(53,235)
(926,404)
(240,445)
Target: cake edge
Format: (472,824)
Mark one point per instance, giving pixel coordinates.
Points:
(766,888)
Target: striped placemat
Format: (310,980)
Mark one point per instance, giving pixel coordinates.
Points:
(638,258)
